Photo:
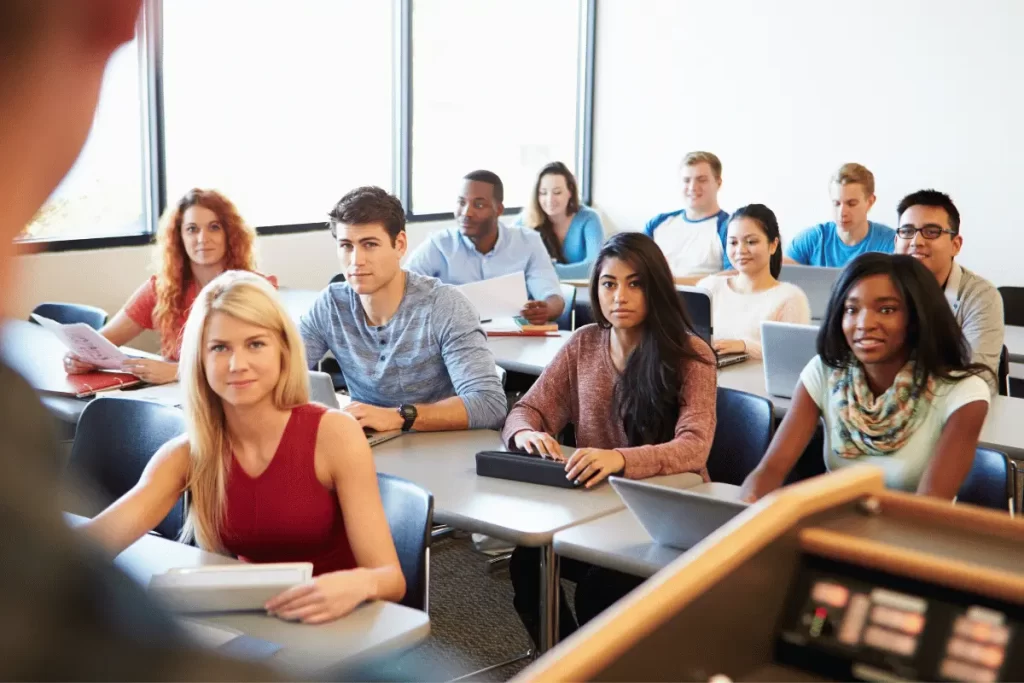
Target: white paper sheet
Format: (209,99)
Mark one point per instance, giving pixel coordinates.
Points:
(499,297)
(86,343)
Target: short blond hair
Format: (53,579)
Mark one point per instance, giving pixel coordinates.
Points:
(851,174)
(694,158)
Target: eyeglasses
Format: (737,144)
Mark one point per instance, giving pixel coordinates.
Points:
(930,232)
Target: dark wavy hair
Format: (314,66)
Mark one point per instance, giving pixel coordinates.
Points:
(647,392)
(539,221)
(764,217)
(935,338)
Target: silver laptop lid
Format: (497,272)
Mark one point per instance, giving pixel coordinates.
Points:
(816,282)
(675,517)
(321,389)
(786,348)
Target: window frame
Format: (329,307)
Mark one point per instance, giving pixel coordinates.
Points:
(152,165)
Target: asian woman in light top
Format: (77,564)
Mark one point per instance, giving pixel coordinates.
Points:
(893,381)
(741,301)
(200,237)
(271,476)
(571,231)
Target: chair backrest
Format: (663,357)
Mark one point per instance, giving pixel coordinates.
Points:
(566,320)
(1004,372)
(812,460)
(340,277)
(114,442)
(582,311)
(1013,305)
(746,424)
(67,314)
(410,512)
(991,483)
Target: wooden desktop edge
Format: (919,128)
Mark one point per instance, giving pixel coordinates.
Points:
(610,635)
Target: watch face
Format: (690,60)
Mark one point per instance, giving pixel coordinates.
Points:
(408,412)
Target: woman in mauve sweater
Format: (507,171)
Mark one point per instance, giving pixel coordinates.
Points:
(639,386)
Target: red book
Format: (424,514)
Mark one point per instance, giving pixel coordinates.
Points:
(87,384)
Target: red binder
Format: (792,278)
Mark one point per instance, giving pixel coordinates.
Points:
(87,384)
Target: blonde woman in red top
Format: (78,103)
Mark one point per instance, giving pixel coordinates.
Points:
(199,238)
(271,476)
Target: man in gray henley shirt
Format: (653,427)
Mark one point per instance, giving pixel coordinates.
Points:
(411,348)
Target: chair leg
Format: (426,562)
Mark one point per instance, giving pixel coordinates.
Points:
(498,562)
(441,531)
(529,654)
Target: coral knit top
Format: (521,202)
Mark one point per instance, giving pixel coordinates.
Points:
(285,514)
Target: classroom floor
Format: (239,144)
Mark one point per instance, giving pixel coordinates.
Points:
(472,622)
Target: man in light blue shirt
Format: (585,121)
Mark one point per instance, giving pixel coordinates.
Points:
(411,348)
(836,243)
(481,248)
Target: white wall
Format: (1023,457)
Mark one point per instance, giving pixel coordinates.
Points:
(925,93)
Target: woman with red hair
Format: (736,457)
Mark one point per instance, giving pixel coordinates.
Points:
(199,238)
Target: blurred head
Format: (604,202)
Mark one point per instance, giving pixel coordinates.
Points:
(753,243)
(479,204)
(852,190)
(368,225)
(240,350)
(202,229)
(885,309)
(633,284)
(929,230)
(701,177)
(52,57)
(555,194)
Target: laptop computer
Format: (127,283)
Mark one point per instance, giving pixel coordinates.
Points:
(786,348)
(321,390)
(675,517)
(697,302)
(815,281)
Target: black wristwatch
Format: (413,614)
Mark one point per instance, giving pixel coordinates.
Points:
(408,413)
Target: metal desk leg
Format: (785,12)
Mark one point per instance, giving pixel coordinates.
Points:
(549,598)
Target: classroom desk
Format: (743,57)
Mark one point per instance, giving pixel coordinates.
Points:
(525,514)
(371,630)
(618,541)
(1001,431)
(528,355)
(1013,337)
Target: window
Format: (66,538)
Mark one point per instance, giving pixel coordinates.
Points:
(495,87)
(282,106)
(102,195)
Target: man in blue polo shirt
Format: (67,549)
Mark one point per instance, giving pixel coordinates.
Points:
(693,238)
(481,248)
(836,243)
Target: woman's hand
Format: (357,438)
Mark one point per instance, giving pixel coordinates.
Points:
(151,371)
(539,443)
(73,365)
(325,598)
(593,465)
(756,486)
(725,346)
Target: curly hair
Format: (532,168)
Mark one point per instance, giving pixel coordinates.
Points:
(174,269)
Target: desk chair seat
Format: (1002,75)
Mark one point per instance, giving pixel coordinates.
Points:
(67,314)
(992,481)
(410,512)
(115,440)
(746,424)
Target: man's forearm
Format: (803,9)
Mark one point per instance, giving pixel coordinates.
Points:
(446,415)
(556,305)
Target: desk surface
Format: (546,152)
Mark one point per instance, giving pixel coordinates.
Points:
(619,542)
(371,630)
(528,355)
(444,463)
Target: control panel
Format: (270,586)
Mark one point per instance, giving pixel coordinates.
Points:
(846,622)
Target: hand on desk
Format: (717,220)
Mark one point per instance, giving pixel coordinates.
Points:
(326,598)
(539,443)
(724,346)
(593,465)
(372,417)
(536,312)
(152,371)
(73,365)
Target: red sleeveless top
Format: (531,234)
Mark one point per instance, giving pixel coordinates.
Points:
(286,514)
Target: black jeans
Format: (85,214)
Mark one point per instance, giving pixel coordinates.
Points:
(596,590)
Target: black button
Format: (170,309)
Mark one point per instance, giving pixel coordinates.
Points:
(382,357)
(383,341)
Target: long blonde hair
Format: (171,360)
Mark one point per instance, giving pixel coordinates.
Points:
(250,298)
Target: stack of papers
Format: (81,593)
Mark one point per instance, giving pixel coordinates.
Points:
(498,298)
(227,587)
(86,343)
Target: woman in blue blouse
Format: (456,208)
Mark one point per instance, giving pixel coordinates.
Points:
(572,233)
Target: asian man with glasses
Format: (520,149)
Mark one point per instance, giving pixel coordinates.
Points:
(929,230)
